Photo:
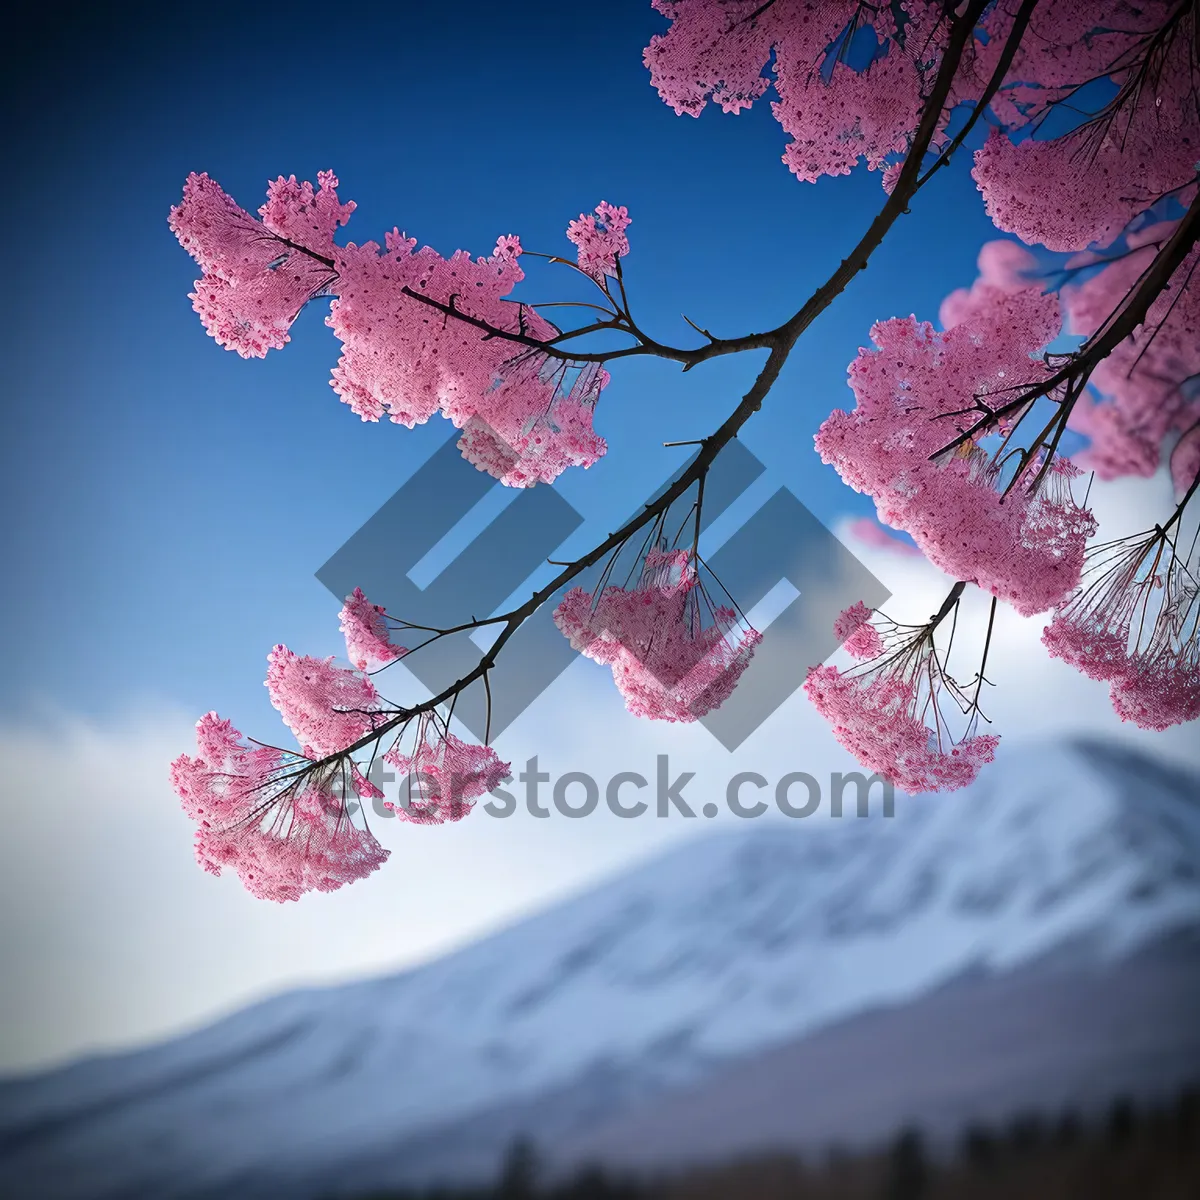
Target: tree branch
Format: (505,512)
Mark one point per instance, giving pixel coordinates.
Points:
(780,343)
(1074,374)
(512,621)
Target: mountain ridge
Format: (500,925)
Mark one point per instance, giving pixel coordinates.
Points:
(650,982)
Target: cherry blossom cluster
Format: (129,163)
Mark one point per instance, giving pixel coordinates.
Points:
(1143,398)
(674,655)
(516,437)
(421,334)
(447,774)
(257,277)
(1149,385)
(600,239)
(894,710)
(1085,185)
(852,81)
(1133,622)
(855,633)
(836,113)
(326,707)
(267,815)
(276,817)
(364,625)
(1023,538)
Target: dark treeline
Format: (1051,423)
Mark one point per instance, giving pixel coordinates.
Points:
(1129,1153)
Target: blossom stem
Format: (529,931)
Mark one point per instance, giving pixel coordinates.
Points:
(1015,36)
(779,342)
(1182,503)
(987,643)
(1121,323)
(948,605)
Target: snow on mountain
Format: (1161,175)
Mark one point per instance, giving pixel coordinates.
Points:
(1065,1033)
(655,980)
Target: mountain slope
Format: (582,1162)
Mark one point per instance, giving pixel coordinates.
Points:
(654,981)
(1047,1037)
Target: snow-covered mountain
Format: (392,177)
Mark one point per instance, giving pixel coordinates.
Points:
(1065,1033)
(656,981)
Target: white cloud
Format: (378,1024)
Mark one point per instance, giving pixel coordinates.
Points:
(111,935)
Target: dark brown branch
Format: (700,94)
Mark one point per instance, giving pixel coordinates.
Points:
(909,182)
(1074,374)
(779,342)
(1020,25)
(750,404)
(645,344)
(1183,503)
(987,644)
(906,186)
(948,604)
(321,258)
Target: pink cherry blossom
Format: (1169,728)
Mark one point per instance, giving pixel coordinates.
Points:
(1148,387)
(282,830)
(1005,267)
(842,105)
(1161,687)
(1092,628)
(1085,185)
(368,640)
(526,416)
(536,423)
(914,392)
(836,114)
(328,708)
(1133,622)
(222,781)
(600,239)
(361,785)
(254,284)
(855,632)
(673,655)
(315,847)
(878,710)
(854,115)
(447,774)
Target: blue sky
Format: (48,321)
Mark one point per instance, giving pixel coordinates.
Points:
(175,500)
(170,503)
